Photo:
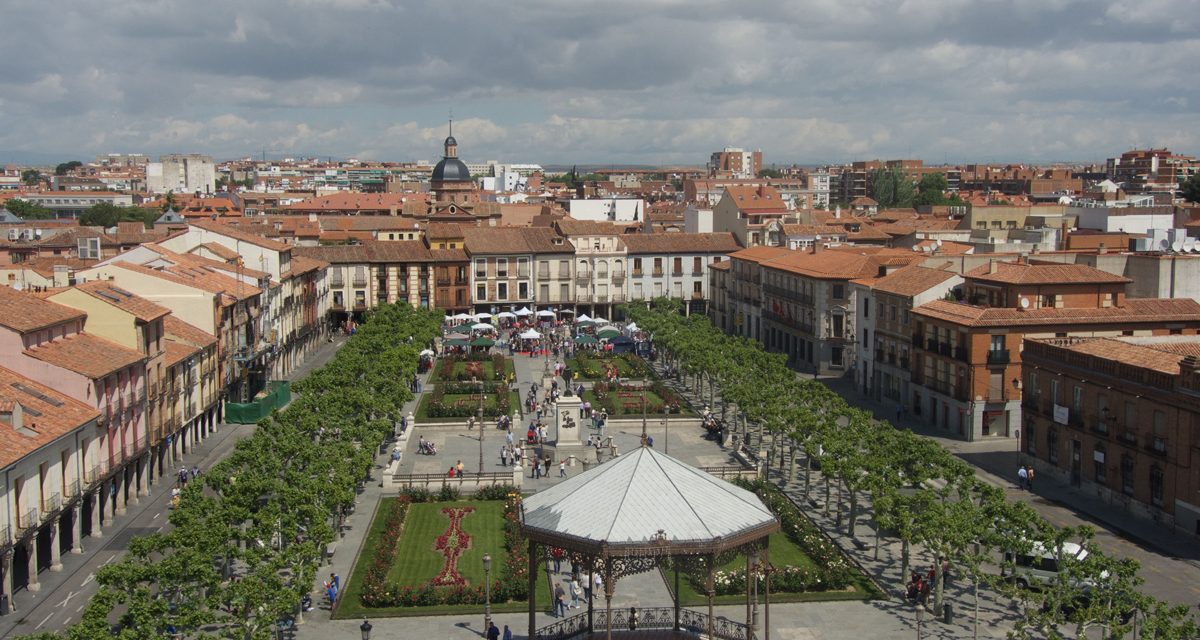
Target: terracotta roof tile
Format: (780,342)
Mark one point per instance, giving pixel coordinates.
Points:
(1135,311)
(911,280)
(1044,273)
(219,250)
(232,231)
(639,243)
(107,292)
(760,253)
(849,264)
(86,355)
(181,331)
(175,352)
(25,313)
(57,414)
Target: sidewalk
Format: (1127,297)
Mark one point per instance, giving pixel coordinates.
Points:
(75,584)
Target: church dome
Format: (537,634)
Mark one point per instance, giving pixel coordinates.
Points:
(451,170)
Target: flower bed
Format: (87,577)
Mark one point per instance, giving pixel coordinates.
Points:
(592,365)
(449,588)
(461,400)
(622,399)
(494,367)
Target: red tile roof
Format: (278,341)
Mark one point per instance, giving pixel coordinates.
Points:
(181,331)
(47,415)
(232,231)
(1135,311)
(671,242)
(25,313)
(107,292)
(1044,273)
(911,280)
(175,352)
(85,354)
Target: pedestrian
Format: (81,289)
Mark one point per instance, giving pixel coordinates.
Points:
(507,634)
(560,601)
(597,585)
(1029,478)
(504,456)
(546,469)
(336,580)
(459,468)
(562,468)
(1022,477)
(576,592)
(493,633)
(556,556)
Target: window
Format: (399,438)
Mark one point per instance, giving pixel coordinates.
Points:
(866,308)
(480,268)
(1156,485)
(904,317)
(1031,439)
(1127,470)
(677,266)
(501,267)
(543,293)
(522,290)
(697,266)
(839,325)
(892,312)
(543,269)
(1077,400)
(502,291)
(564,292)
(839,292)
(522,267)
(1054,391)
(696,290)
(1131,416)
(480,293)
(1052,445)
(1101,474)
(564,269)
(637,266)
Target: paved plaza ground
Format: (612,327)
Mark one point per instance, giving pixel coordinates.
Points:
(885,618)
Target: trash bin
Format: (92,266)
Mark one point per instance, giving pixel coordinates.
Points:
(947,613)
(3,604)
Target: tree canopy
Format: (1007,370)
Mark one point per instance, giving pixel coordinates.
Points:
(66,167)
(1190,189)
(106,215)
(891,188)
(932,191)
(27,210)
(770,173)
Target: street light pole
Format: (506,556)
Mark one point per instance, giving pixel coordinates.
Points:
(480,420)
(666,425)
(487,590)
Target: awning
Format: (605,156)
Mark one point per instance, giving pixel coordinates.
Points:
(529,335)
(585,339)
(545,313)
(523,311)
(482,342)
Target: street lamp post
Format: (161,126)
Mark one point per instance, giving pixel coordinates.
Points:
(487,591)
(480,420)
(365,628)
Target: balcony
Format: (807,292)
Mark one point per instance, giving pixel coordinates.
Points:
(72,489)
(879,355)
(442,281)
(1157,446)
(583,297)
(602,298)
(998,356)
(543,275)
(618,277)
(903,362)
(27,519)
(5,536)
(337,283)
(657,273)
(1129,438)
(51,503)
(945,349)
(1099,427)
(676,273)
(960,353)
(697,274)
(916,340)
(1032,403)
(696,295)
(931,344)
(583,278)
(637,273)
(92,474)
(359,281)
(618,297)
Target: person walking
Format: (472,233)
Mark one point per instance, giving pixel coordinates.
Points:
(1029,478)
(560,601)
(597,585)
(562,468)
(576,593)
(1022,477)
(504,455)
(493,633)
(507,634)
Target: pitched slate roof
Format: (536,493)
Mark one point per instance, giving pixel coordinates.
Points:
(627,500)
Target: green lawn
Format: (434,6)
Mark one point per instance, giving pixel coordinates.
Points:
(417,562)
(489,407)
(629,366)
(461,367)
(783,553)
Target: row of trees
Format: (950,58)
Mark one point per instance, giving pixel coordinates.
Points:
(246,539)
(892,189)
(912,488)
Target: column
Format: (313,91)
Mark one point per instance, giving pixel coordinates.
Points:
(77,527)
(55,553)
(767,591)
(143,474)
(98,517)
(608,594)
(710,591)
(6,584)
(532,588)
(33,585)
(120,500)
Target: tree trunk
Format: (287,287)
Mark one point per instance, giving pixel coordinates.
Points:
(826,479)
(903,562)
(853,512)
(938,584)
(975,588)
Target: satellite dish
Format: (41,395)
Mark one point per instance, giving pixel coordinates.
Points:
(1177,246)
(1024,303)
(938,242)
(1164,244)
(1189,244)
(916,248)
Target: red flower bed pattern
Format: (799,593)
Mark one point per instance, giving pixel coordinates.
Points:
(452,544)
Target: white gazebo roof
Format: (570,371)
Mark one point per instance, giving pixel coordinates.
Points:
(626,501)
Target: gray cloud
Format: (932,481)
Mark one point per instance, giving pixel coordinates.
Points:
(623,81)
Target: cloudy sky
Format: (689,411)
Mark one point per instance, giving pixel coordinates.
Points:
(638,81)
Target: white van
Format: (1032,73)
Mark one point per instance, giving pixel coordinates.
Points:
(1040,565)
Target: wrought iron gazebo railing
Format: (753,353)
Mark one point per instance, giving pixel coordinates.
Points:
(648,619)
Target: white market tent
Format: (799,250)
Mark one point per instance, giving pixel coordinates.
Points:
(599,320)
(583,317)
(529,334)
(523,311)
(482,326)
(506,314)
(545,313)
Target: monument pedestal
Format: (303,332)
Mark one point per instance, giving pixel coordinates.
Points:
(567,437)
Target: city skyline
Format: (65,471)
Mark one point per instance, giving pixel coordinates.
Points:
(658,83)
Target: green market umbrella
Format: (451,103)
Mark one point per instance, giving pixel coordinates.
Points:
(462,328)
(608,332)
(585,339)
(482,342)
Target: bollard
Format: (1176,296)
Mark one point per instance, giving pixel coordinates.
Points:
(947,613)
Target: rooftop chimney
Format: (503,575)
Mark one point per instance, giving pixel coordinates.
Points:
(992,267)
(1102,250)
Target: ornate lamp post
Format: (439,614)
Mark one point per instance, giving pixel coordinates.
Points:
(365,628)
(480,420)
(487,591)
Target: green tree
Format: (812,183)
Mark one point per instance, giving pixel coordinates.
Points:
(66,167)
(27,210)
(31,177)
(1190,189)
(104,214)
(891,188)
(770,173)
(932,190)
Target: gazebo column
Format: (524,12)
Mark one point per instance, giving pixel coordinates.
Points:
(608,594)
(709,589)
(749,620)
(767,589)
(532,588)
(675,561)
(591,590)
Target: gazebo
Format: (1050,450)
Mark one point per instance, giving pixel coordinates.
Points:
(631,514)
